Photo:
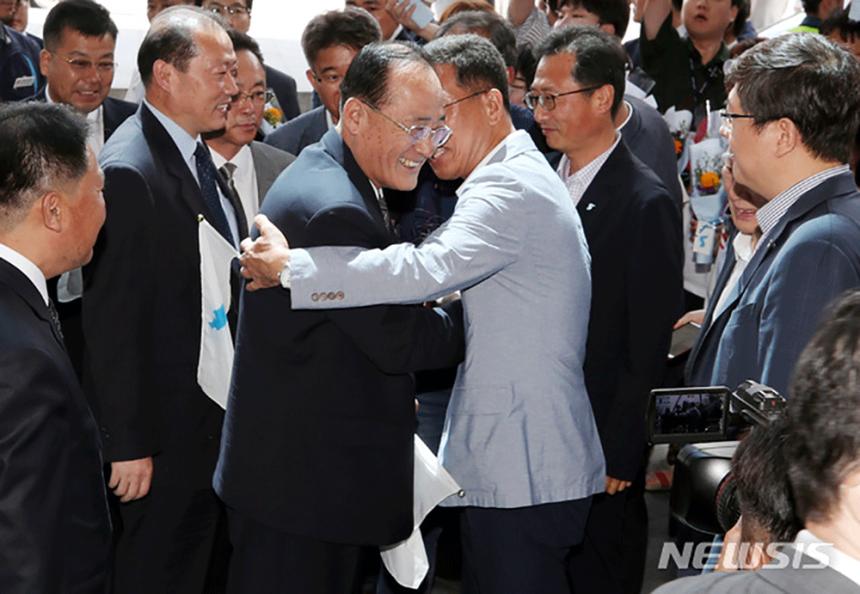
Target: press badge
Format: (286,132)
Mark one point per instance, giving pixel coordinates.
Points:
(23,82)
(704,241)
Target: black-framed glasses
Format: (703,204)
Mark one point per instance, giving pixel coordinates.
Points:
(438,136)
(231,10)
(729,118)
(461,99)
(81,65)
(256,97)
(547,102)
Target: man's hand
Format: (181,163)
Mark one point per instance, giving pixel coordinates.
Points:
(696,316)
(614,485)
(402,11)
(130,479)
(264,258)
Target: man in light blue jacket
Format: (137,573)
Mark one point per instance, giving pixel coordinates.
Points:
(519,436)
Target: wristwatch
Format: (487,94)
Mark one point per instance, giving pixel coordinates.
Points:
(284,276)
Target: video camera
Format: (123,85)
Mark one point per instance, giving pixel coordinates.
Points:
(702,494)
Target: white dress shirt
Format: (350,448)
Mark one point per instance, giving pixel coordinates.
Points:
(577,182)
(244,178)
(743,248)
(829,555)
(27,268)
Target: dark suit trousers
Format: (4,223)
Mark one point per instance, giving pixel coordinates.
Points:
(268,560)
(524,549)
(611,559)
(166,538)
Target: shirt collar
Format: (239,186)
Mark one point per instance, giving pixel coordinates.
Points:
(93,117)
(328,119)
(488,157)
(770,214)
(186,143)
(27,268)
(628,118)
(397,32)
(828,554)
(240,159)
(743,247)
(590,168)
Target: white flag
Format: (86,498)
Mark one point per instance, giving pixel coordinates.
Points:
(406,561)
(216,344)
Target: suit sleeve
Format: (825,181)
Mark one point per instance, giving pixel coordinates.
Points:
(806,280)
(34,469)
(654,296)
(482,237)
(398,339)
(118,291)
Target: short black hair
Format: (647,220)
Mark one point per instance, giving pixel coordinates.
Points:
(823,413)
(839,23)
(810,81)
(740,22)
(42,145)
(249,4)
(351,27)
(173,41)
(760,477)
(87,17)
(526,64)
(477,62)
(811,6)
(609,12)
(367,77)
(487,24)
(244,42)
(600,57)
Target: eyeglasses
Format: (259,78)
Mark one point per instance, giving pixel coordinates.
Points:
(327,79)
(729,118)
(80,65)
(547,102)
(456,101)
(257,97)
(229,10)
(438,136)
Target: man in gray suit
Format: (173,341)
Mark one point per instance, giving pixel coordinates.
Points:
(330,41)
(249,167)
(519,436)
(822,449)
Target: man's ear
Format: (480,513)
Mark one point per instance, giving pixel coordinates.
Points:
(51,206)
(163,75)
(512,75)
(352,116)
(494,106)
(787,136)
(44,61)
(312,79)
(603,98)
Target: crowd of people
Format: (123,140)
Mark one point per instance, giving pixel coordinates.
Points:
(483,231)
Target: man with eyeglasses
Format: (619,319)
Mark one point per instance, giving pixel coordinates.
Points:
(519,435)
(19,59)
(237,14)
(249,167)
(791,120)
(78,66)
(316,465)
(633,228)
(330,41)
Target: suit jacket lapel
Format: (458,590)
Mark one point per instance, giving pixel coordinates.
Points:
(166,150)
(18,282)
(592,207)
(337,148)
(265,170)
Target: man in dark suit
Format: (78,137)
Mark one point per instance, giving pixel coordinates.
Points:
(330,41)
(321,409)
(54,522)
(141,306)
(248,167)
(19,58)
(821,449)
(237,14)
(795,157)
(78,65)
(633,228)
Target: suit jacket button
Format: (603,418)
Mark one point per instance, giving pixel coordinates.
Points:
(315,297)
(340,295)
(461,493)
(330,296)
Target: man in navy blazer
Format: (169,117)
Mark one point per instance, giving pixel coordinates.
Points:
(55,532)
(316,463)
(633,228)
(141,307)
(330,42)
(791,119)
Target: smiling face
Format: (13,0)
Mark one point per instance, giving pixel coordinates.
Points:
(79,69)
(708,19)
(741,206)
(200,97)
(385,152)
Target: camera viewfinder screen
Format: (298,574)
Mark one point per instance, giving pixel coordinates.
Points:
(690,414)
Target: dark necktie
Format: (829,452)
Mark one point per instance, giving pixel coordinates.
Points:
(226,171)
(54,316)
(207,176)
(386,214)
